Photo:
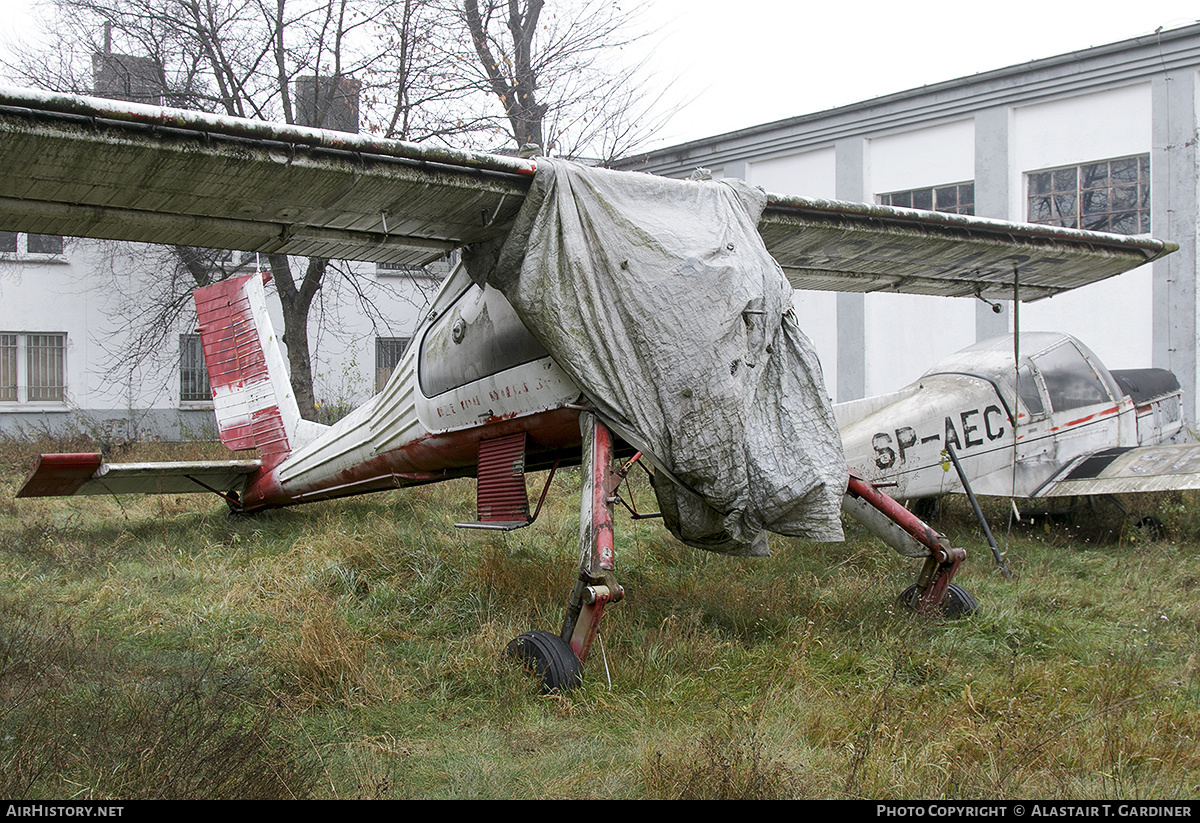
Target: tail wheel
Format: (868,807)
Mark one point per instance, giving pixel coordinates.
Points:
(958,602)
(549,658)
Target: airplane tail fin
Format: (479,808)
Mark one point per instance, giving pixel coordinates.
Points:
(252,395)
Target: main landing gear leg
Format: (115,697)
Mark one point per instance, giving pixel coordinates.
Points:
(558,660)
(933,593)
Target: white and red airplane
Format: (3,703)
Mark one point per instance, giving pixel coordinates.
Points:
(486,401)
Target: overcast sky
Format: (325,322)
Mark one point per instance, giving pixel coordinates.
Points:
(746,62)
(754,61)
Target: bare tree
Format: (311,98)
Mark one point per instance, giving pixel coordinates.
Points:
(299,61)
(417,69)
(554,69)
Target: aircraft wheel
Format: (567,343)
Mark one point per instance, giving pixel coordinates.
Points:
(1150,528)
(926,508)
(549,658)
(958,602)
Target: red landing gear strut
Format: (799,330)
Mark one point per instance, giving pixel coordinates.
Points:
(933,593)
(557,660)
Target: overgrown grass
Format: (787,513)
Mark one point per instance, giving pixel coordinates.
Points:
(157,647)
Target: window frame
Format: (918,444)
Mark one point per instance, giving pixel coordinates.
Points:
(905,198)
(1090,202)
(193,369)
(23,357)
(19,247)
(387,348)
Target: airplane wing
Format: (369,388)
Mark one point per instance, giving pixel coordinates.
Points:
(88,167)
(860,247)
(1126,470)
(62,475)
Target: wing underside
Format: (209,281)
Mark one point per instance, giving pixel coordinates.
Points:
(859,247)
(1125,470)
(62,475)
(87,167)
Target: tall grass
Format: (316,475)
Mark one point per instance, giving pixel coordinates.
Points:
(157,647)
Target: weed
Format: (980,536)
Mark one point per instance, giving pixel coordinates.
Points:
(154,647)
(84,721)
(730,761)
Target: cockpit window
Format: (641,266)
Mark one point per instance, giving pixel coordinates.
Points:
(480,335)
(1027,390)
(1070,380)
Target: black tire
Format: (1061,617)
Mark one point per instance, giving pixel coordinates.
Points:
(926,508)
(1150,528)
(958,602)
(549,658)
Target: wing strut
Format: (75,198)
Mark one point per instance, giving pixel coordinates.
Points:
(1016,385)
(987,532)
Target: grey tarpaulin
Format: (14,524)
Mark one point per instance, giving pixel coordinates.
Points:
(658,297)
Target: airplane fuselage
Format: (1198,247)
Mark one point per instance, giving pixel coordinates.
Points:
(471,373)
(1011,432)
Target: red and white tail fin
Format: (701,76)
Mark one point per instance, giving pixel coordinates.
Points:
(252,395)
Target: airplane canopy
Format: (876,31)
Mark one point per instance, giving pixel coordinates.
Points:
(89,167)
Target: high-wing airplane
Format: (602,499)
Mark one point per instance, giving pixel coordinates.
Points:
(477,393)
(1059,425)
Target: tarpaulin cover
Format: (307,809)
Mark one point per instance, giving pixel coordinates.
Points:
(658,297)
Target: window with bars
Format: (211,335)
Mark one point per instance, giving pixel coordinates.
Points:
(400,270)
(435,270)
(19,243)
(193,374)
(8,368)
(1108,195)
(33,368)
(388,351)
(955,198)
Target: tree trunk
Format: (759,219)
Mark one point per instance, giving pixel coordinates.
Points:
(518,93)
(296,302)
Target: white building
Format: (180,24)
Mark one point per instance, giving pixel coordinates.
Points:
(71,310)
(1102,139)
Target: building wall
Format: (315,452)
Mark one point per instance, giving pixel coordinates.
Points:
(98,294)
(1070,131)
(1137,97)
(899,345)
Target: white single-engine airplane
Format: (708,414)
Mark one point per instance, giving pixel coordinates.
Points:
(1060,425)
(477,393)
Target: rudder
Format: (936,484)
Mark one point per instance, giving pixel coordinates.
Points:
(252,395)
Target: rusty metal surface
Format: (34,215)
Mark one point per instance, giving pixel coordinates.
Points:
(500,484)
(859,247)
(597,585)
(99,168)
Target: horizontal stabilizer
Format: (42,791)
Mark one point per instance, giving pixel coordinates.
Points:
(1128,470)
(64,475)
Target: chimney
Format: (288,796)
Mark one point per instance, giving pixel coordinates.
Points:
(124,77)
